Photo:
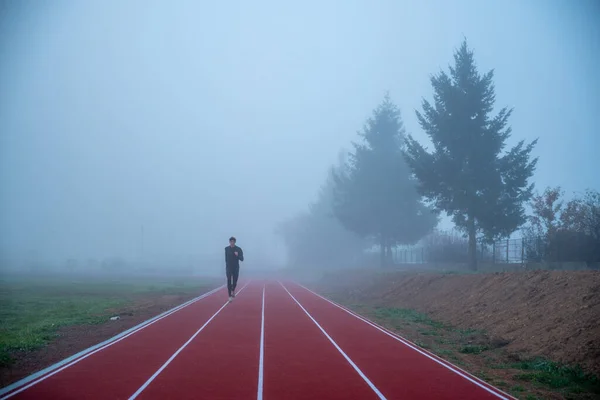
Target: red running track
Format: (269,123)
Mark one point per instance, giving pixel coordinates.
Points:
(274,341)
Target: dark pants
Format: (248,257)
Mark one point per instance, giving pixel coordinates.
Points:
(232,277)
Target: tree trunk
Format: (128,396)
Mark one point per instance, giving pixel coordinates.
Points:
(472,244)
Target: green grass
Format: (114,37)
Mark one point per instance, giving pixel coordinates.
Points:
(421,344)
(553,375)
(429,332)
(483,375)
(517,389)
(407,315)
(33,310)
(469,332)
(473,349)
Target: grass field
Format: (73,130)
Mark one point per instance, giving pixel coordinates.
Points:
(32,310)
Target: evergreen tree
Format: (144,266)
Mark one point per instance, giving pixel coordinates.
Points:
(316,238)
(467,175)
(376,196)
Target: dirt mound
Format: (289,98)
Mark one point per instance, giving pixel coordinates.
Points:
(553,314)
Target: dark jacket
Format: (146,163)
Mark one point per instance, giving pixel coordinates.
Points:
(231,261)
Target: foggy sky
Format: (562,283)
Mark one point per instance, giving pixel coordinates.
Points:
(200,120)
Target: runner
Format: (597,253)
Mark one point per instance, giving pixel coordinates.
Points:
(233,256)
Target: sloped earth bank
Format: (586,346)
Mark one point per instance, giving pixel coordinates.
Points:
(525,331)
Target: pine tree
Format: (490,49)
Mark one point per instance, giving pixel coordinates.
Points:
(467,175)
(316,238)
(376,196)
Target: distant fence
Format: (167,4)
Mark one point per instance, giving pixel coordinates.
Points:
(454,249)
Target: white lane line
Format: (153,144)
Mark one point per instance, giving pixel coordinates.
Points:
(95,349)
(362,375)
(498,393)
(149,381)
(262,350)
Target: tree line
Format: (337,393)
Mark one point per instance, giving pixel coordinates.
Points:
(391,189)
(561,230)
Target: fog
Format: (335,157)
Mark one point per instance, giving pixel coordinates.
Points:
(152,130)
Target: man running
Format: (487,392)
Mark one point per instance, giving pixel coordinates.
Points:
(233,256)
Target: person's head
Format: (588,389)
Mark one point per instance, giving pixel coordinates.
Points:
(232,241)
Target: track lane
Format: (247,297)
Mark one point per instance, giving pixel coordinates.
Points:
(222,361)
(396,369)
(299,361)
(117,371)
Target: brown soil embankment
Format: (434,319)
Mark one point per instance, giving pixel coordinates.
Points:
(552,314)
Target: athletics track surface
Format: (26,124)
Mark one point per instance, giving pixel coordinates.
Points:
(276,340)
